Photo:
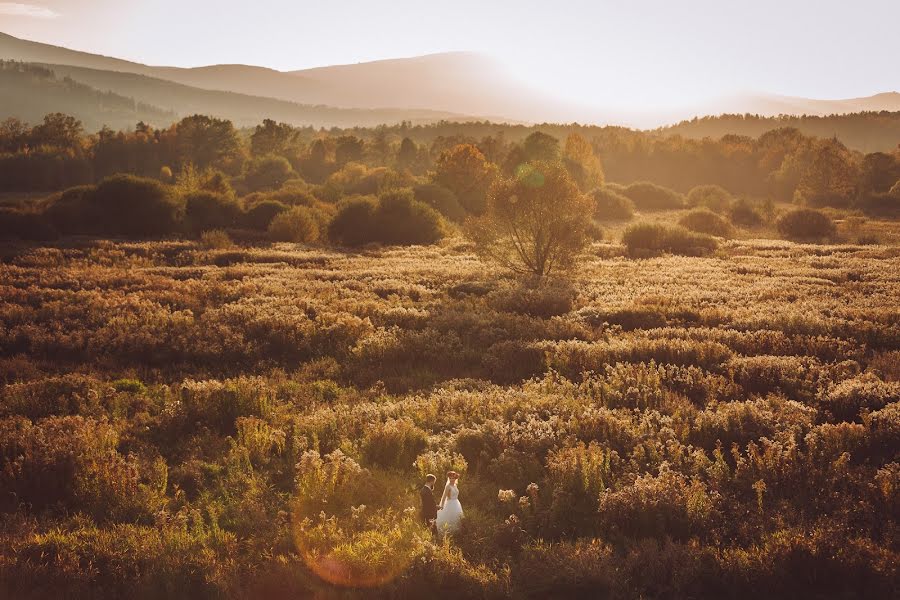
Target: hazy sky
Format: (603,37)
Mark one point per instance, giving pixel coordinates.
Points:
(637,52)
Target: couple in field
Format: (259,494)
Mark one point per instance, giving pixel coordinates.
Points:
(444,516)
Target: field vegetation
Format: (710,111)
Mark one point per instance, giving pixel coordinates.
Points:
(226,374)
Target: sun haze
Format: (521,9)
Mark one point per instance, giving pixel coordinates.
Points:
(646,54)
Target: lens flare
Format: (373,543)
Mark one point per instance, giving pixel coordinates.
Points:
(530,175)
(358,551)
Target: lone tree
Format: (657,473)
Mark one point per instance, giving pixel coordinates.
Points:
(536,222)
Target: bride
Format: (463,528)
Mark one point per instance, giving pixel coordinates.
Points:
(450,512)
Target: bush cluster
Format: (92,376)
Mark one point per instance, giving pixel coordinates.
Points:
(805,224)
(394,218)
(650,196)
(647,239)
(705,221)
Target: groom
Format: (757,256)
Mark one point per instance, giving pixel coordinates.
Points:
(429,506)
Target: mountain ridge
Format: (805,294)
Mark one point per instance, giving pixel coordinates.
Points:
(458,84)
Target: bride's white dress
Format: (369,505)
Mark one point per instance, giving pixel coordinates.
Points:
(448,518)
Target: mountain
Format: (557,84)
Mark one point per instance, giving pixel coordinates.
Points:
(244,110)
(29,92)
(771,105)
(455,82)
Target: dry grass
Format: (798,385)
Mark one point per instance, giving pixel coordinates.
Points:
(706,422)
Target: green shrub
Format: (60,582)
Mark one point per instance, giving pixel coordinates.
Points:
(400,219)
(611,205)
(394,444)
(442,200)
(119,205)
(207,210)
(805,224)
(268,173)
(704,220)
(712,197)
(396,218)
(354,222)
(649,196)
(298,225)
(259,215)
(656,238)
(743,213)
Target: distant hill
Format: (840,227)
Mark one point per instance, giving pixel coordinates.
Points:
(770,105)
(450,84)
(30,92)
(455,82)
(243,110)
(863,131)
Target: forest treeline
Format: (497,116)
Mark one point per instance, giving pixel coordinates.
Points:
(249,176)
(868,131)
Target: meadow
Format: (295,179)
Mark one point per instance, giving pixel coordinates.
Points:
(254,420)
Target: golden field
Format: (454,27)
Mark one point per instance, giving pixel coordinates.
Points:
(254,421)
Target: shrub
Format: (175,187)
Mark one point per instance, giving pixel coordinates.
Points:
(543,300)
(394,444)
(849,398)
(268,173)
(577,476)
(667,505)
(657,238)
(353,224)
(649,196)
(732,423)
(400,219)
(24,225)
(136,206)
(73,211)
(805,224)
(875,204)
(297,225)
(712,197)
(119,205)
(705,221)
(207,210)
(611,205)
(72,462)
(260,214)
(290,197)
(511,361)
(215,239)
(536,222)
(440,199)
(218,404)
(744,214)
(439,462)
(396,218)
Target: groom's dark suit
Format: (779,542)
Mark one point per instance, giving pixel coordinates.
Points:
(429,506)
